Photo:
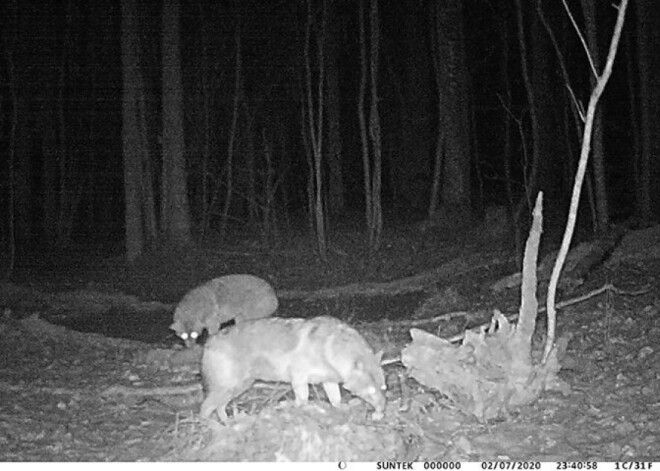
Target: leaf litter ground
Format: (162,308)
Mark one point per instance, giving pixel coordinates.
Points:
(53,406)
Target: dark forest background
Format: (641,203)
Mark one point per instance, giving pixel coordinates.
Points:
(150,122)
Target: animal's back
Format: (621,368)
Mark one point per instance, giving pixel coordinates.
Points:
(252,349)
(244,297)
(232,297)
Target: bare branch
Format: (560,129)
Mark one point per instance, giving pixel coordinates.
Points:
(582,40)
(577,107)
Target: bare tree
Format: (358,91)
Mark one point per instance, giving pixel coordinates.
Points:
(231,144)
(371,143)
(251,164)
(530,181)
(415,113)
(269,183)
(376,228)
(505,84)
(596,93)
(364,140)
(333,154)
(453,139)
(133,142)
(175,213)
(205,193)
(65,155)
(602,206)
(314,121)
(11,85)
(648,171)
(640,174)
(576,111)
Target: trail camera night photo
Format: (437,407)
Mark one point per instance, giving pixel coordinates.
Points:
(414,234)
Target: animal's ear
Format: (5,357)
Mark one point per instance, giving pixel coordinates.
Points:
(175,327)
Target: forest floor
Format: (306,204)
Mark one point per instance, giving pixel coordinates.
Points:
(54,379)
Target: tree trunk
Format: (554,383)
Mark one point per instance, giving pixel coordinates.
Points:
(49,172)
(364,140)
(415,139)
(147,195)
(312,107)
(252,136)
(11,164)
(131,141)
(574,107)
(648,201)
(453,104)
(374,131)
(22,168)
(632,83)
(64,157)
(317,134)
(505,91)
(602,206)
(175,213)
(336,200)
(439,138)
(204,195)
(231,145)
(547,147)
(529,174)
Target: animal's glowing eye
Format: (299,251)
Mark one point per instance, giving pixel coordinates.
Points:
(184,336)
(194,335)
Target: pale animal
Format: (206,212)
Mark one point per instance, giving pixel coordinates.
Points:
(297,351)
